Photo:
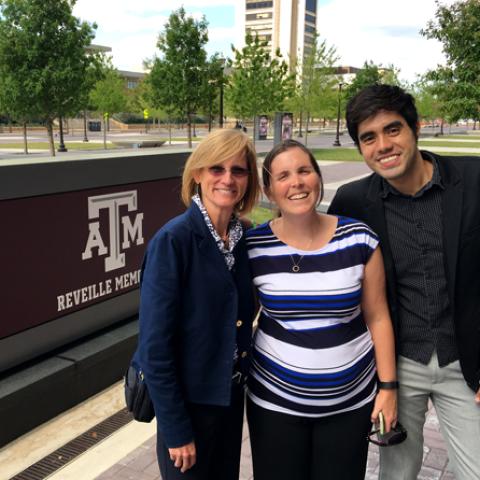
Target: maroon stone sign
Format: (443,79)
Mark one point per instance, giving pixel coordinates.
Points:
(64,252)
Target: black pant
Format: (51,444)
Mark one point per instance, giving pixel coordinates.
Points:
(287,447)
(218,440)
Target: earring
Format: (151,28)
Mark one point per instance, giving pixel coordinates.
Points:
(197,189)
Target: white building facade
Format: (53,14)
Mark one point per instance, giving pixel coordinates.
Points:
(289,25)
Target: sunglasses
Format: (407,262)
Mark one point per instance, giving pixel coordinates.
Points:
(396,435)
(219,171)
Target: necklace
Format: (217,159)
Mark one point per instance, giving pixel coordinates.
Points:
(296,265)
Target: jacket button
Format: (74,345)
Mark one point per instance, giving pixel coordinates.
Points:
(244,354)
(239,323)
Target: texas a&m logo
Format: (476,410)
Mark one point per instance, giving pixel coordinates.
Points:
(122,232)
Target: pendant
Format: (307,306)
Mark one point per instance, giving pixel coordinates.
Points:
(295,269)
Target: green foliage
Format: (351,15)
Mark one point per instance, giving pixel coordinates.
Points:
(368,75)
(109,95)
(259,83)
(427,101)
(43,61)
(372,74)
(214,81)
(316,93)
(177,77)
(457,27)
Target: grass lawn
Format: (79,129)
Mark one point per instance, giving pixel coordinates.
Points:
(70,146)
(260,215)
(344,154)
(471,136)
(456,154)
(443,143)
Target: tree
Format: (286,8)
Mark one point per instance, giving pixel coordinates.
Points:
(43,61)
(96,71)
(177,76)
(314,93)
(457,27)
(17,98)
(108,97)
(214,82)
(368,75)
(428,99)
(372,74)
(259,83)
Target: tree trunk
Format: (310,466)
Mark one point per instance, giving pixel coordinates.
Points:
(441,126)
(104,133)
(254,129)
(25,144)
(300,123)
(169,131)
(307,123)
(51,145)
(85,138)
(189,130)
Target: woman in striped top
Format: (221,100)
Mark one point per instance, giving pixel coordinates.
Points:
(324,333)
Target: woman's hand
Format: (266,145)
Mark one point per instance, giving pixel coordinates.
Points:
(385,402)
(184,457)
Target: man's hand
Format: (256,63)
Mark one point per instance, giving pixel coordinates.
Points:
(477,397)
(184,457)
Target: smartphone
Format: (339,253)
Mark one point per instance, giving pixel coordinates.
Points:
(381,423)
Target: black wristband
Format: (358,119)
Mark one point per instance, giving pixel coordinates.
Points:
(387,385)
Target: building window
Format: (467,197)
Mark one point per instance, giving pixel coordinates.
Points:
(310,18)
(308,40)
(132,84)
(263,26)
(310,29)
(258,16)
(311,6)
(254,5)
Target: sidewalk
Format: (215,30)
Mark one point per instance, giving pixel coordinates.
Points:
(141,463)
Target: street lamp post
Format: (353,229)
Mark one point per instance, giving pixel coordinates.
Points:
(85,138)
(337,143)
(61,146)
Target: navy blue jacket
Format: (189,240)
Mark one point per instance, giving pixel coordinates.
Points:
(461,242)
(193,311)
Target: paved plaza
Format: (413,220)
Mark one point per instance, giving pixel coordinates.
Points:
(141,463)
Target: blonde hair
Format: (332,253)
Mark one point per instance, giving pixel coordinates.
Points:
(215,148)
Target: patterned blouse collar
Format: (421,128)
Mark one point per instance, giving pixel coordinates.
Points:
(235,233)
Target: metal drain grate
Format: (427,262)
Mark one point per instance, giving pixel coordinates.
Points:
(47,465)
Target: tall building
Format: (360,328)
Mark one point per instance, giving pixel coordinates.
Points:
(286,24)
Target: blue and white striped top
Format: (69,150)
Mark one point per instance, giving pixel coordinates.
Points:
(313,354)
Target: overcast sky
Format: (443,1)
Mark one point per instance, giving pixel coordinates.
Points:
(384,31)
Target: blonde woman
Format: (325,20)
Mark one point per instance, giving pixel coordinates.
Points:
(196,314)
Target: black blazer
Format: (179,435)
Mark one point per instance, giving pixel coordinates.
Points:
(461,240)
(192,311)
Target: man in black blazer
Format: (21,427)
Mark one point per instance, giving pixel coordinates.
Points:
(426,210)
